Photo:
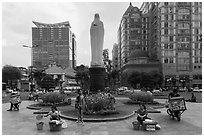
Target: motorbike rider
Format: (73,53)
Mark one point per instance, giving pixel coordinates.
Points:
(171,95)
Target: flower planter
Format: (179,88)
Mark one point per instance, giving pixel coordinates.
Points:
(39,125)
(136,125)
(54,126)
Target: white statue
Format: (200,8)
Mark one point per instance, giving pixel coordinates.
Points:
(97,37)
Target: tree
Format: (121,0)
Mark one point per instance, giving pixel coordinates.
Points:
(114,76)
(47,82)
(156,78)
(134,79)
(38,75)
(82,76)
(10,74)
(145,80)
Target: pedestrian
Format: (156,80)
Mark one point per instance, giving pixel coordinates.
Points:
(54,113)
(173,94)
(15,102)
(142,114)
(193,98)
(80,100)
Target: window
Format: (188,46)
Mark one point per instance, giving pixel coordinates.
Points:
(171,17)
(166,31)
(166,24)
(196,46)
(166,17)
(196,10)
(171,46)
(183,67)
(171,38)
(166,60)
(165,3)
(171,60)
(196,60)
(183,11)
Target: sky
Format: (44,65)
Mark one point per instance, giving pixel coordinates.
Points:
(17,26)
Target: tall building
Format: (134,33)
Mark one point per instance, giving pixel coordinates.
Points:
(130,33)
(171,33)
(53,43)
(181,46)
(115,57)
(74,57)
(175,37)
(134,43)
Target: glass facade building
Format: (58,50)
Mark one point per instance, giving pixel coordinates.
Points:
(53,43)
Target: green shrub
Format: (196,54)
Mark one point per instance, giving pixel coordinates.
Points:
(141,96)
(53,98)
(99,102)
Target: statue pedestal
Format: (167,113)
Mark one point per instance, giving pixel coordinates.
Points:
(97,79)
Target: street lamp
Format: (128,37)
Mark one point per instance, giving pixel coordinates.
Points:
(31,73)
(25,46)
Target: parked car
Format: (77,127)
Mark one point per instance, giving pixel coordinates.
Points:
(67,91)
(183,89)
(156,91)
(136,90)
(196,89)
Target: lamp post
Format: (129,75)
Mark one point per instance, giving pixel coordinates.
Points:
(31,68)
(25,46)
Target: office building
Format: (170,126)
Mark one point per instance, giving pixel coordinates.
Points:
(115,57)
(180,43)
(53,43)
(171,33)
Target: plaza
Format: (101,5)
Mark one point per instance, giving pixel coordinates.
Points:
(23,123)
(156,59)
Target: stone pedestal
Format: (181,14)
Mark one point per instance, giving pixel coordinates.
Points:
(97,79)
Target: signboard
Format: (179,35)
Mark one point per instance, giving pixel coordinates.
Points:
(150,127)
(177,104)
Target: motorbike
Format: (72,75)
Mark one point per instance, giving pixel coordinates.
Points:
(174,114)
(176,107)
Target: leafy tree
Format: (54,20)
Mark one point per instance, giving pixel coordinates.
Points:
(145,80)
(10,74)
(134,79)
(156,78)
(47,82)
(82,76)
(114,76)
(38,75)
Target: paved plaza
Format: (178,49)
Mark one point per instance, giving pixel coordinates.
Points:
(23,123)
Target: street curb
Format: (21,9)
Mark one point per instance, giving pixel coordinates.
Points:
(98,119)
(34,108)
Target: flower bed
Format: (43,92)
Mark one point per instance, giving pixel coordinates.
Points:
(55,98)
(100,103)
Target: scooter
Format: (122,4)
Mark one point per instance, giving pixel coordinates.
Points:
(176,114)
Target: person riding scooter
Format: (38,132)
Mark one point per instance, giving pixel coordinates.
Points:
(172,95)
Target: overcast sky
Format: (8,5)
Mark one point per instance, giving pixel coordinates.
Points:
(17,25)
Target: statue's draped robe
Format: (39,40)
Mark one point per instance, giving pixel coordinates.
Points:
(97,38)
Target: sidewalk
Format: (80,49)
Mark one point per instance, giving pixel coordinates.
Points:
(23,123)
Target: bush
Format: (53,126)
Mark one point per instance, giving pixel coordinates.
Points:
(99,103)
(141,96)
(53,98)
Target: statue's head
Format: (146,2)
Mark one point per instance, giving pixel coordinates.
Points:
(97,16)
